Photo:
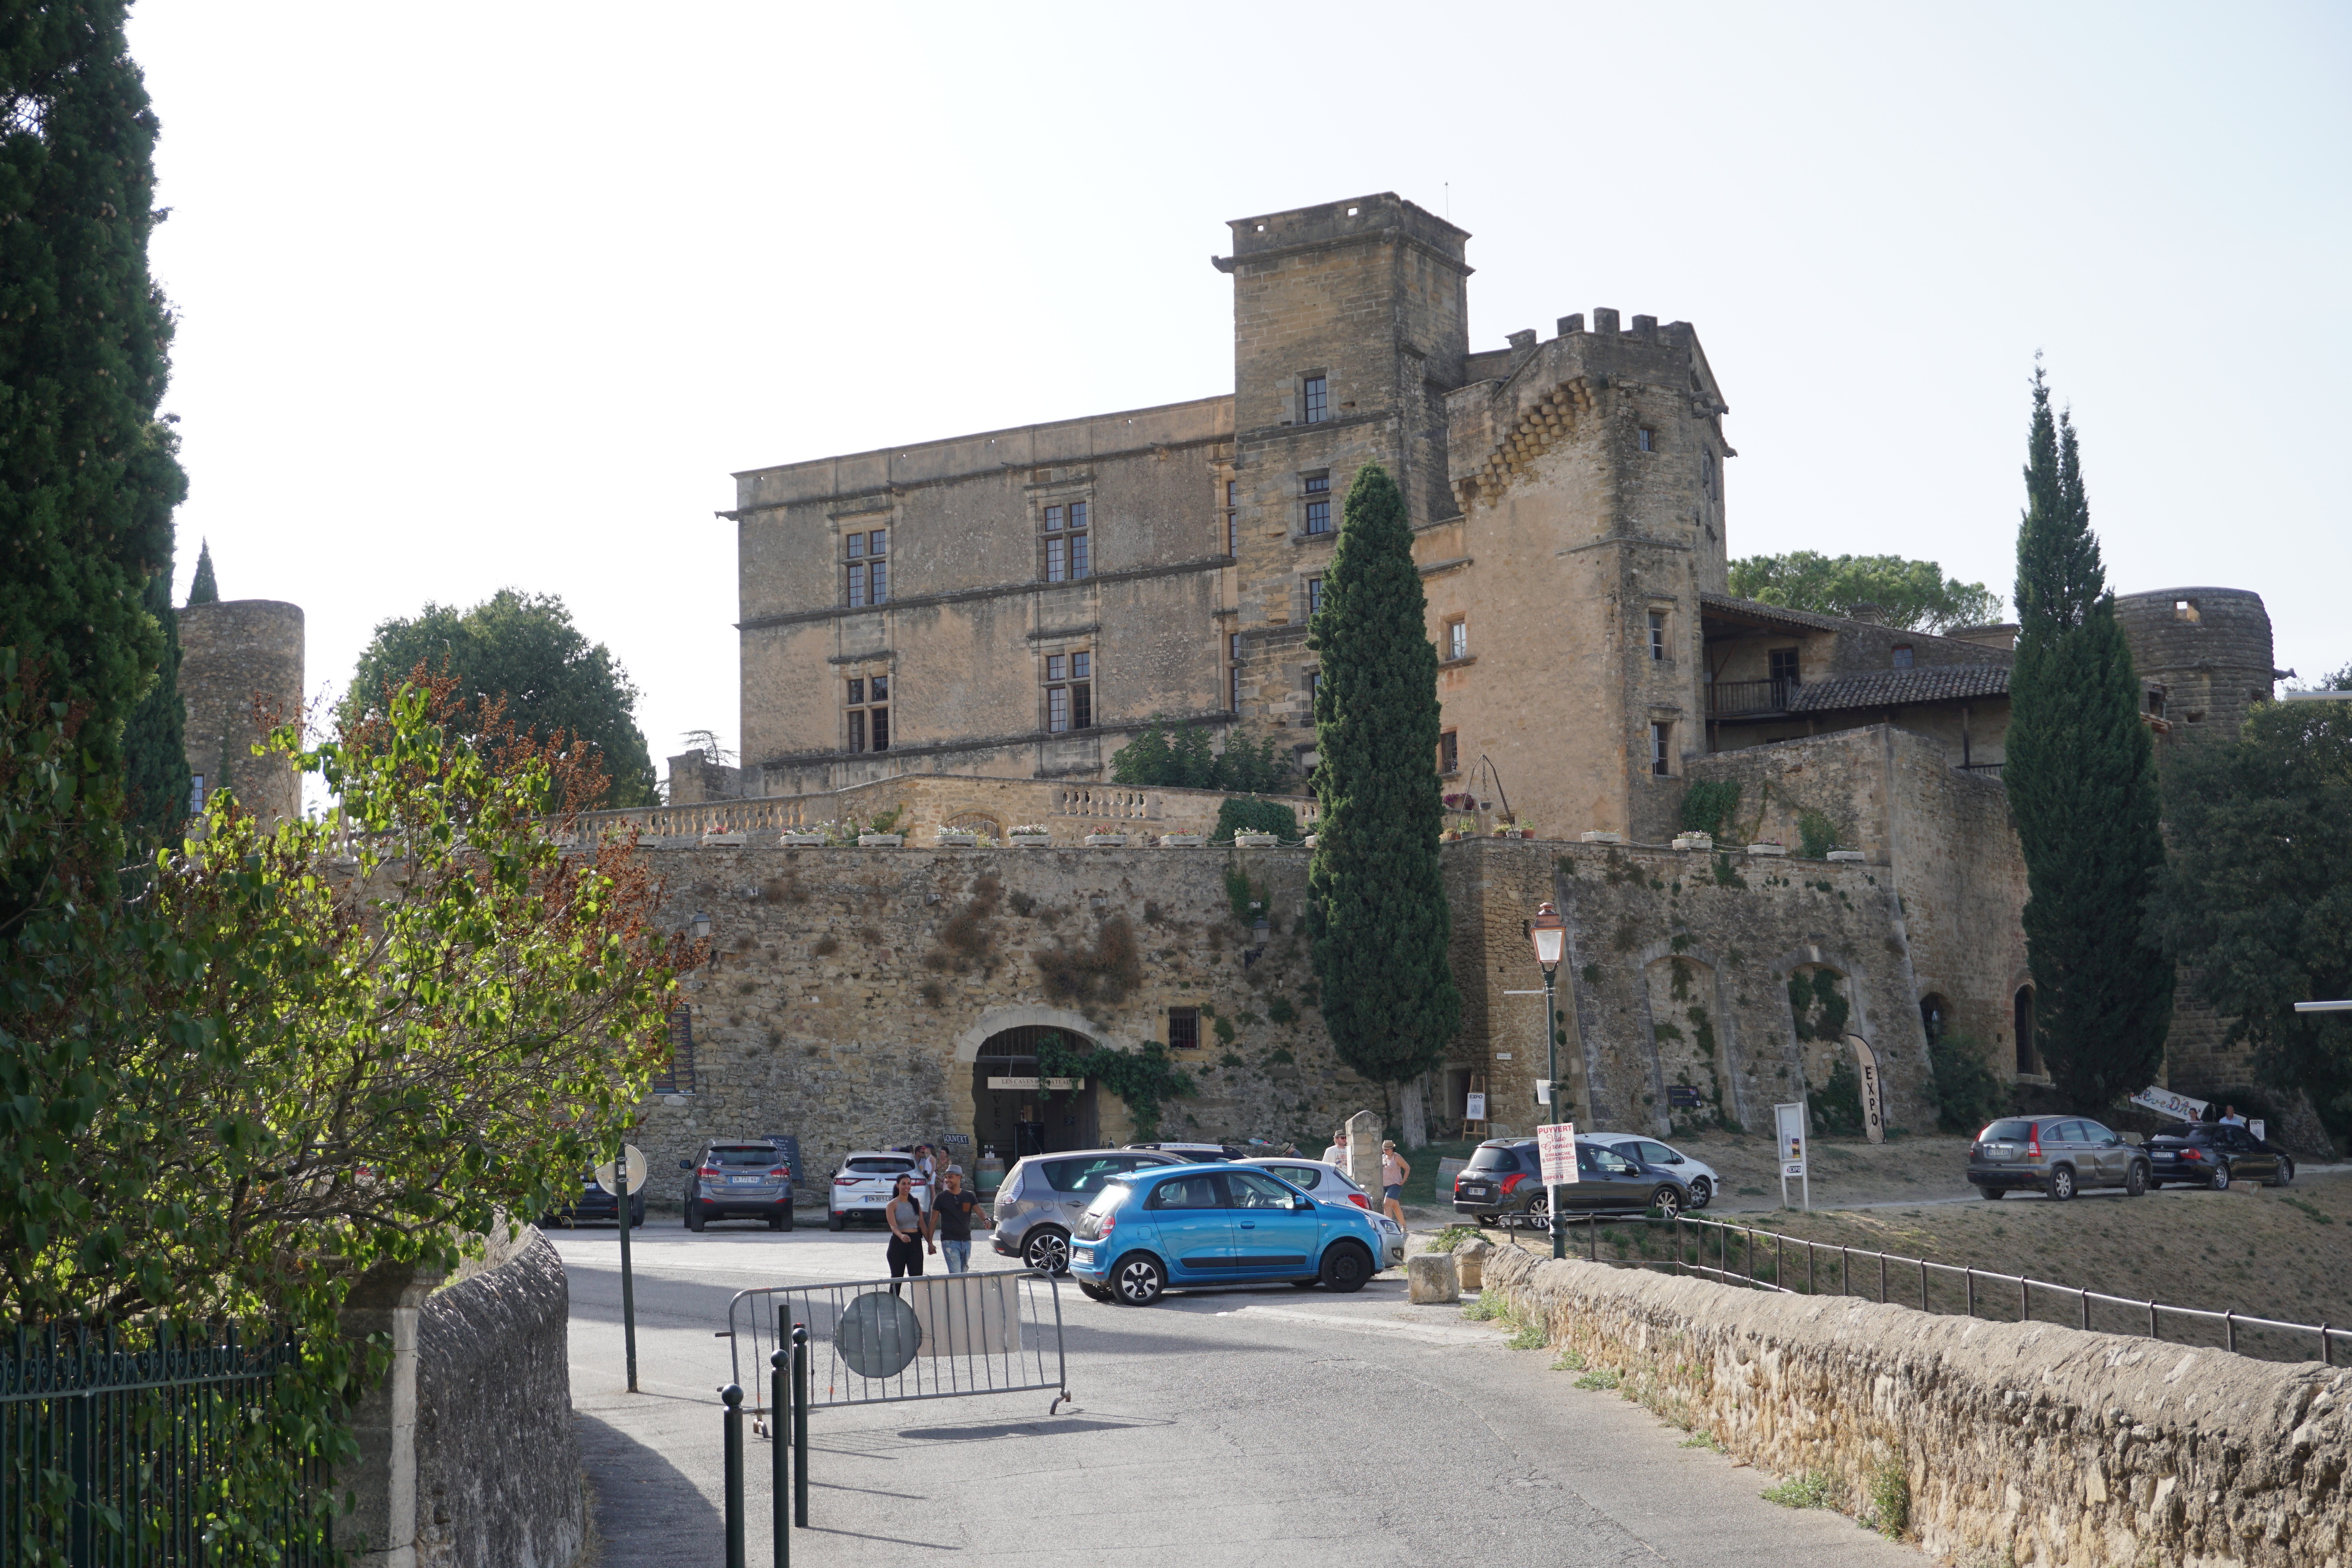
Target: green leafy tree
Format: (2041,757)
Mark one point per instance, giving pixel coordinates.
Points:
(2256,905)
(154,741)
(1376,900)
(521,650)
(88,476)
(1914,595)
(204,589)
(1275,817)
(2083,791)
(1183,758)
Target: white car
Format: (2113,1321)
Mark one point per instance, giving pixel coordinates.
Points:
(862,1182)
(1315,1180)
(1696,1175)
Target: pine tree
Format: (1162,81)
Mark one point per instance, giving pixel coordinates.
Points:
(88,477)
(2081,775)
(204,589)
(1376,901)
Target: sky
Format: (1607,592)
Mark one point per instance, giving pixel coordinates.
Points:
(493,294)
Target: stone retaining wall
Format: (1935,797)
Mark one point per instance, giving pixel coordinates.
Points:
(499,1482)
(2023,1442)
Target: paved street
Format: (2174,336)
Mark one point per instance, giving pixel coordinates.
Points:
(1234,1427)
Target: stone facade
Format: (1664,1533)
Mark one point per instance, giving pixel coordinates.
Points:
(240,672)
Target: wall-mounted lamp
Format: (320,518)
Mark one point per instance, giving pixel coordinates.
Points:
(702,927)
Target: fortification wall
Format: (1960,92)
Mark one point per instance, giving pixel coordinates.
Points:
(2016,1442)
(240,671)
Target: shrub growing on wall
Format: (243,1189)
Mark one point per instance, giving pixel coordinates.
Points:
(1256,817)
(1708,806)
(1968,1093)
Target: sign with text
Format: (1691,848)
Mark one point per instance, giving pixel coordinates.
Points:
(2164,1102)
(1873,1091)
(1789,1137)
(1543,1090)
(1684,1097)
(1556,1141)
(1475,1108)
(1036,1083)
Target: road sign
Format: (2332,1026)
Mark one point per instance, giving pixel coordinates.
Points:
(1789,1134)
(637,1159)
(1556,1141)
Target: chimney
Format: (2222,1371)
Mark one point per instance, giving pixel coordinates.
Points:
(1875,615)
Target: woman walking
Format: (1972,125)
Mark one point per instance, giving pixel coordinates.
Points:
(904,1215)
(1394,1172)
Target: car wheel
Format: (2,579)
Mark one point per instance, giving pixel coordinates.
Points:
(1345,1266)
(1047,1250)
(1995,1193)
(694,1219)
(775,1222)
(835,1222)
(2135,1180)
(1702,1191)
(2061,1183)
(1094,1292)
(1538,1212)
(786,1220)
(2220,1181)
(1136,1279)
(2285,1172)
(1668,1201)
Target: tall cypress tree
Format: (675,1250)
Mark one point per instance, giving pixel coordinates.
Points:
(88,477)
(1376,901)
(155,755)
(204,589)
(2083,791)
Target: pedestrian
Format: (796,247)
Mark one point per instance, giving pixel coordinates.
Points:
(951,1221)
(925,1166)
(2230,1117)
(1336,1154)
(904,1215)
(1394,1169)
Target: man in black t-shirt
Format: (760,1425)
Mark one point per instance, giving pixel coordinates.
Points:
(951,1219)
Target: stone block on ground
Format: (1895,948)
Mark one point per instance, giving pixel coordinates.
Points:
(1430,1276)
(1470,1263)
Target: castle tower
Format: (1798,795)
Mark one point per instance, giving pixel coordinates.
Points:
(2203,656)
(1349,329)
(240,665)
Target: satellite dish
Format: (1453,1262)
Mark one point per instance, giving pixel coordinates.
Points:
(878,1335)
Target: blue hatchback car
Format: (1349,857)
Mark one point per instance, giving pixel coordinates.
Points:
(1177,1226)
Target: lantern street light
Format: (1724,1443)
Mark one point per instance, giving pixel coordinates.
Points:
(1548,932)
(702,927)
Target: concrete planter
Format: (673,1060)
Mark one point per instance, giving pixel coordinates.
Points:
(708,839)
(1029,840)
(1701,841)
(1313,839)
(880,840)
(1845,855)
(1254,841)
(804,841)
(1768,848)
(1180,840)
(957,840)
(1106,841)
(1599,836)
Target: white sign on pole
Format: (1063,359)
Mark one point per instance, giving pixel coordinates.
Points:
(1874,1096)
(1543,1090)
(1556,1142)
(636,1171)
(2256,1129)
(2164,1102)
(1789,1133)
(1475,1109)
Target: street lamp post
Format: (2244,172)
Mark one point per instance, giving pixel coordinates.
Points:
(1548,932)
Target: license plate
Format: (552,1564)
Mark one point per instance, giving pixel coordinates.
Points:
(871,1197)
(1473,1192)
(744,1181)
(1082,1254)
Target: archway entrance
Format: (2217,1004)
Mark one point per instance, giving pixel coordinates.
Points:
(1013,1113)
(2028,1059)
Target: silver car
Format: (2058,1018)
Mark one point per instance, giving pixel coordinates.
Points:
(1043,1196)
(1697,1175)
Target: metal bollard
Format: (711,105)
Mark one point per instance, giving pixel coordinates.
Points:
(732,1397)
(779,1452)
(800,1424)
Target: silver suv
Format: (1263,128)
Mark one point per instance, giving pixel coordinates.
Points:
(2060,1156)
(1043,1196)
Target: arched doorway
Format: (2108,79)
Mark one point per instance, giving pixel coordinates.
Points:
(1933,1018)
(1013,1113)
(2029,1061)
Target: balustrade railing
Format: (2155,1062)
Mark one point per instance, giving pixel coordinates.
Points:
(1733,698)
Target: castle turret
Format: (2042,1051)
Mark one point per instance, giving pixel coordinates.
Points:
(2203,655)
(240,671)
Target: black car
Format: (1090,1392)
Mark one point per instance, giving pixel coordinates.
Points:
(2215,1153)
(738,1181)
(595,1206)
(1503,1184)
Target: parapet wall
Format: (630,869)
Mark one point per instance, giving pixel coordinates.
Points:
(2025,1443)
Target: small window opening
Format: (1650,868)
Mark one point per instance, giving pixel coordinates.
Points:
(2184,610)
(1661,735)
(1234,672)
(1449,757)
(1657,637)
(1066,557)
(1318,406)
(1314,597)
(1902,655)
(1319,503)
(1183,1028)
(1643,438)
(1069,692)
(868,574)
(869,711)
(1457,639)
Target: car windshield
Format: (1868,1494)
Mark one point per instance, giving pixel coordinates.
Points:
(746,1155)
(1306,1177)
(2006,1132)
(880,1167)
(1493,1158)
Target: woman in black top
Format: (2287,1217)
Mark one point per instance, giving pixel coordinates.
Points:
(904,1215)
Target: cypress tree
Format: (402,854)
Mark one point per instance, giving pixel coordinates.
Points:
(155,743)
(204,589)
(1376,901)
(2081,775)
(88,477)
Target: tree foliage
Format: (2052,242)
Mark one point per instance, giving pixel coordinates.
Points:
(2081,775)
(2256,905)
(295,1057)
(1144,1079)
(1254,816)
(154,742)
(1376,900)
(523,649)
(88,476)
(1182,758)
(1914,595)
(205,588)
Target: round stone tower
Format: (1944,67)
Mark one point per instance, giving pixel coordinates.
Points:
(2203,655)
(240,673)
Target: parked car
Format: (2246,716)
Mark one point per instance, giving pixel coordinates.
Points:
(863,1182)
(1153,1230)
(595,1206)
(2205,1154)
(1044,1197)
(1697,1175)
(1315,1178)
(738,1181)
(1204,1151)
(2060,1156)
(1503,1184)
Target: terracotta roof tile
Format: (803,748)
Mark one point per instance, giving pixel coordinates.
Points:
(1884,688)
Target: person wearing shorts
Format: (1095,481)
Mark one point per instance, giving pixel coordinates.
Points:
(1394,1170)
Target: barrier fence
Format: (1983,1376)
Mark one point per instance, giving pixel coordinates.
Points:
(1730,1254)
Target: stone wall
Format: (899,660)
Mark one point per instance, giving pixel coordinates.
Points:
(499,1482)
(850,991)
(241,670)
(2019,1442)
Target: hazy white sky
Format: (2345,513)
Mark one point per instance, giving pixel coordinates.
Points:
(482,295)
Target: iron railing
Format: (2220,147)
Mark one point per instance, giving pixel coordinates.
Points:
(1732,698)
(1731,1254)
(1989,770)
(116,1447)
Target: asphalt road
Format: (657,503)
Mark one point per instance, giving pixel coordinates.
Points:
(1220,1429)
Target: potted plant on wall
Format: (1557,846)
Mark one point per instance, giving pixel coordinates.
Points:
(1106,841)
(1181,841)
(956,838)
(1029,835)
(1768,847)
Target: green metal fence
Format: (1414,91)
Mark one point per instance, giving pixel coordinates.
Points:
(114,1445)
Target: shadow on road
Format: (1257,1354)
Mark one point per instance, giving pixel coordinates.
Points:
(647,1509)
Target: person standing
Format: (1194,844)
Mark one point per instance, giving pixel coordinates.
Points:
(2230,1117)
(1394,1170)
(951,1221)
(1336,1154)
(904,1215)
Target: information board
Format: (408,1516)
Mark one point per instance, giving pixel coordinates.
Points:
(1789,1134)
(1475,1108)
(1556,1142)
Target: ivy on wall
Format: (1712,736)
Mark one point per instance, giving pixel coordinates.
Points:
(1145,1080)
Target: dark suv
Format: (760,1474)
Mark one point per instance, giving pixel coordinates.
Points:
(1503,1184)
(2057,1155)
(738,1181)
(2207,1154)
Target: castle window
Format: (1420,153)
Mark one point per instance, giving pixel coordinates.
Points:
(1661,749)
(1457,638)
(1707,472)
(1183,1028)
(1657,636)
(1314,597)
(2155,709)
(1233,520)
(1783,664)
(1313,682)
(1902,655)
(1449,756)
(1318,405)
(2184,610)
(1069,692)
(1644,438)
(868,710)
(1065,543)
(195,794)
(867,573)
(676,1076)
(1234,672)
(1319,503)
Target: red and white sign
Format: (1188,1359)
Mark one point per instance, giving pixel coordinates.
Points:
(1556,1141)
